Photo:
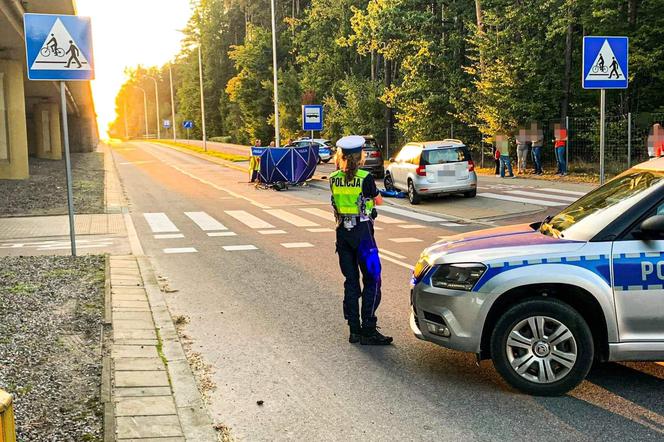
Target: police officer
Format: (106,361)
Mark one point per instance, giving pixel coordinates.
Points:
(354,195)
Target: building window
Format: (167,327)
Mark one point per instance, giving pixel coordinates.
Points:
(46,131)
(4,137)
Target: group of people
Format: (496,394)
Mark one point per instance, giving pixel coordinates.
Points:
(529,143)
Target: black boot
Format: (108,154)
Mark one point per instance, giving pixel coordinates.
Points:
(355,335)
(374,337)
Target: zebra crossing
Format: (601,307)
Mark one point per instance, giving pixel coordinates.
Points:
(543,196)
(269,221)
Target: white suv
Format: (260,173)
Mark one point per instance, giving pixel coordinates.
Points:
(432,168)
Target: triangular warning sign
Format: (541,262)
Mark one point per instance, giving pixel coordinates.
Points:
(605,66)
(60,52)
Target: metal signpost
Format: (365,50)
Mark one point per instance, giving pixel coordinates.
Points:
(59,48)
(167,124)
(605,66)
(312,118)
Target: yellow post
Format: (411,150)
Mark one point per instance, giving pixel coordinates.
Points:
(7,430)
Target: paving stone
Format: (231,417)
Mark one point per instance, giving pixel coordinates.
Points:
(139,364)
(141,379)
(147,426)
(132,324)
(138,297)
(126,281)
(141,391)
(125,271)
(120,304)
(127,290)
(155,439)
(131,309)
(134,334)
(135,342)
(134,351)
(145,406)
(141,316)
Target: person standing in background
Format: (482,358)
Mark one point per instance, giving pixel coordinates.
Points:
(522,148)
(537,137)
(254,163)
(560,146)
(502,144)
(496,159)
(656,141)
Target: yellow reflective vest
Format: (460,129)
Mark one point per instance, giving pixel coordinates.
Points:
(347,194)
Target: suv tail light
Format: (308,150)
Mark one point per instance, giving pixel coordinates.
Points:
(374,154)
(421,170)
(471,166)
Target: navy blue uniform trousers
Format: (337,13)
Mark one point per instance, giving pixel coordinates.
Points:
(358,252)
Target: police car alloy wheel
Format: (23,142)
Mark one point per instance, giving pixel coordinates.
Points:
(389,184)
(542,347)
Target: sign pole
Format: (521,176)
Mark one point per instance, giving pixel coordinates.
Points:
(70,192)
(602,109)
(277,137)
(200,79)
(170,76)
(629,140)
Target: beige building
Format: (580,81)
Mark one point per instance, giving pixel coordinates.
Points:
(30,110)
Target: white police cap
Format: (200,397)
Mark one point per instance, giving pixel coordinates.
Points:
(351,144)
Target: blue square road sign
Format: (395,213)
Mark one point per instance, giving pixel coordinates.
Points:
(188,124)
(605,63)
(58,47)
(312,117)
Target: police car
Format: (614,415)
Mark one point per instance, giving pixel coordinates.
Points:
(547,299)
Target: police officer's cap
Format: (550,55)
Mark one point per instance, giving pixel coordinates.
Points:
(351,144)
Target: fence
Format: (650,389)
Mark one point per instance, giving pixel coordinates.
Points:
(626,140)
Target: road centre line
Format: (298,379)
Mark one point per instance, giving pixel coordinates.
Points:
(169,236)
(392,254)
(320,230)
(516,199)
(160,223)
(411,226)
(205,221)
(249,220)
(396,261)
(542,195)
(271,232)
(222,234)
(290,218)
(296,245)
(568,192)
(409,214)
(404,240)
(211,184)
(240,248)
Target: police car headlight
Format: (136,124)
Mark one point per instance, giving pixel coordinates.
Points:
(462,276)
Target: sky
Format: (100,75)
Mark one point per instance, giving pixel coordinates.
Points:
(128,33)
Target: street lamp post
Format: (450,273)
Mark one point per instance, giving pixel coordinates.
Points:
(156,98)
(274,76)
(200,79)
(173,125)
(145,110)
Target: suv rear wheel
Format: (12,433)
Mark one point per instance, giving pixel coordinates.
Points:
(413,196)
(542,347)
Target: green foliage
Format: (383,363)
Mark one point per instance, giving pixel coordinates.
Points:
(414,67)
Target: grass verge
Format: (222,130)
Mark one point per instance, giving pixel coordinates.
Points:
(213,153)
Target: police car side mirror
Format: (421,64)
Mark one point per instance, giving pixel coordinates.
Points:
(652,228)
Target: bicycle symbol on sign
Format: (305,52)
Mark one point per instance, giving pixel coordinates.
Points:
(51,48)
(600,66)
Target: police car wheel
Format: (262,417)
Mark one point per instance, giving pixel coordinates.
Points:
(389,184)
(413,196)
(542,347)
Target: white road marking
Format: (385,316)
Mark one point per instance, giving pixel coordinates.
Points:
(325,214)
(567,199)
(450,224)
(160,223)
(409,214)
(568,192)
(271,232)
(172,250)
(169,236)
(320,230)
(211,184)
(290,218)
(411,226)
(249,220)
(222,234)
(296,245)
(205,221)
(392,254)
(517,199)
(404,240)
(240,248)
(396,261)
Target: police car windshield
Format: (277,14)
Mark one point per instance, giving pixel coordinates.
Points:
(590,214)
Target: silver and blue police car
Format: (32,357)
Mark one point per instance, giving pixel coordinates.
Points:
(545,300)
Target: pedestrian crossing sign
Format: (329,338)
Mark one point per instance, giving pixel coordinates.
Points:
(605,63)
(58,47)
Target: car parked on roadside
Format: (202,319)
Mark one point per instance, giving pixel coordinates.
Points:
(325,148)
(373,157)
(432,168)
(545,300)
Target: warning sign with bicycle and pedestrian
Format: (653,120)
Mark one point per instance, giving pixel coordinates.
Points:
(605,62)
(58,47)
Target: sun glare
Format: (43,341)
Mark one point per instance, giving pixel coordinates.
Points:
(128,33)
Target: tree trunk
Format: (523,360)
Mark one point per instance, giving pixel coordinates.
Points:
(564,103)
(388,111)
(633,7)
(480,16)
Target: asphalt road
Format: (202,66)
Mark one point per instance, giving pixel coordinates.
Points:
(258,279)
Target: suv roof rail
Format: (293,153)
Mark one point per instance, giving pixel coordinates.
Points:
(453,140)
